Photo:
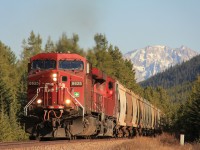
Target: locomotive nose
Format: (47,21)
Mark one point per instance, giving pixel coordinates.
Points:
(62,89)
(57,89)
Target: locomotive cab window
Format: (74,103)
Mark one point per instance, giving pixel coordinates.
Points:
(37,64)
(49,64)
(43,64)
(70,65)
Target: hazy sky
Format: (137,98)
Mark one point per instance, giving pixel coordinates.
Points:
(128,24)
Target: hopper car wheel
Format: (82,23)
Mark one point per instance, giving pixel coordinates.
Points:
(136,133)
(73,137)
(88,137)
(140,131)
(120,133)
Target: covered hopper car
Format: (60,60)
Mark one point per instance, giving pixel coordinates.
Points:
(67,98)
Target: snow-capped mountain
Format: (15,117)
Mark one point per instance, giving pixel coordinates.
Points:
(153,59)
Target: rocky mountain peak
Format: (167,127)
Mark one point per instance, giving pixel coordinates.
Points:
(154,59)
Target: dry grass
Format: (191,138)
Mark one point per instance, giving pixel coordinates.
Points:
(162,142)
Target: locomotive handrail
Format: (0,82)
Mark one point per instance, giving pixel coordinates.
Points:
(31,101)
(76,101)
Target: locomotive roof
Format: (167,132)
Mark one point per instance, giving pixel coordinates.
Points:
(57,56)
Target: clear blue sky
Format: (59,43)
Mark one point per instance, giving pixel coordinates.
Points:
(128,24)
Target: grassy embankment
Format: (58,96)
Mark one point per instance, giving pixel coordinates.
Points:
(162,142)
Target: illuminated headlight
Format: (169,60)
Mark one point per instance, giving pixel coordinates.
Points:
(39,101)
(54,77)
(67,101)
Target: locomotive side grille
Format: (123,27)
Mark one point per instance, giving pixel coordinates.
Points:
(98,102)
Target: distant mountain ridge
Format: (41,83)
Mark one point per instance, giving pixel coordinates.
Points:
(151,60)
(177,80)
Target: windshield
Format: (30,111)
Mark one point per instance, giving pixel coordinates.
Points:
(43,64)
(70,65)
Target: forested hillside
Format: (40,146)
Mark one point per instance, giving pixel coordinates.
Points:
(177,80)
(185,72)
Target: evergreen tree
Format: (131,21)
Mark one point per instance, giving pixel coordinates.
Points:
(110,60)
(9,127)
(8,74)
(188,115)
(103,59)
(34,44)
(66,45)
(192,111)
(17,131)
(117,59)
(99,56)
(5,128)
(50,47)
(92,57)
(31,47)
(159,98)
(123,70)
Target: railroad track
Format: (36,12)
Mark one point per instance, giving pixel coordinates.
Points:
(10,145)
(37,144)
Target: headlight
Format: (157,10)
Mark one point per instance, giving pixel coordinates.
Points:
(67,101)
(54,75)
(54,79)
(39,101)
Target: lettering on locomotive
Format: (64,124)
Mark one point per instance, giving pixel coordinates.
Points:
(33,83)
(76,83)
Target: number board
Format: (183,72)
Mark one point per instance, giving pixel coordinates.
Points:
(33,83)
(76,83)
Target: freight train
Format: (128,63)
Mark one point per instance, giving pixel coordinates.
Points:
(68,98)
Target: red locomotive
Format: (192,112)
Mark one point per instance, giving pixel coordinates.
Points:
(68,98)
